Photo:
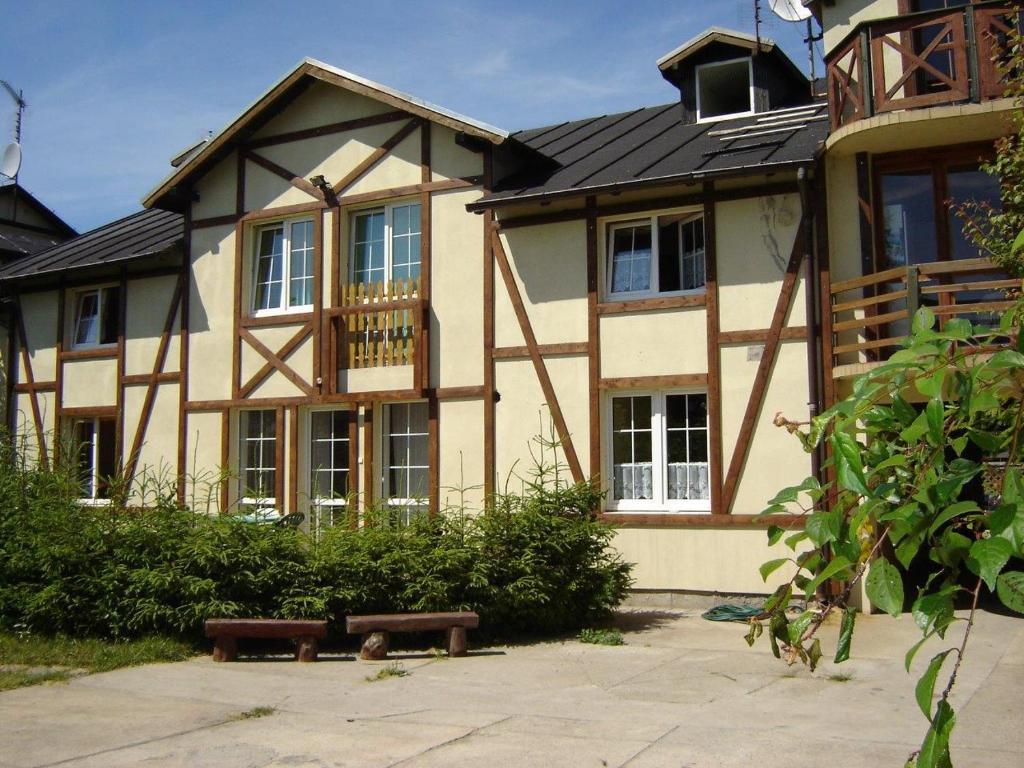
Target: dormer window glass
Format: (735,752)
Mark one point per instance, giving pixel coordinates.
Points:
(725,89)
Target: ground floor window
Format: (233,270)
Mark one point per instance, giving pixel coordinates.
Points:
(258,469)
(96,444)
(406,465)
(659,452)
(329,469)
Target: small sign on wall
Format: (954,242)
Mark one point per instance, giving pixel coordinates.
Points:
(754,353)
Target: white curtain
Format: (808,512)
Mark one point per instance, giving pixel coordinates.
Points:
(634,481)
(688,481)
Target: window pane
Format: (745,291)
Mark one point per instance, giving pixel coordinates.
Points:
(676,447)
(675,411)
(908,218)
(697,410)
(669,278)
(631,259)
(405,242)
(964,185)
(368,248)
(329,454)
(111,315)
(724,89)
(269,269)
(300,276)
(692,254)
(87,314)
(642,446)
(258,454)
(84,437)
(106,456)
(698,445)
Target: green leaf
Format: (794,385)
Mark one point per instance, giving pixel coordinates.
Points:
(799,625)
(814,654)
(935,748)
(988,557)
(775,533)
(931,386)
(837,565)
(823,527)
(772,565)
(953,510)
(849,467)
(987,441)
(1007,522)
(958,328)
(1010,588)
(1018,242)
(884,586)
(773,509)
(924,320)
(796,538)
(934,611)
(909,658)
(1005,358)
(916,430)
(935,413)
(845,635)
(925,688)
(779,599)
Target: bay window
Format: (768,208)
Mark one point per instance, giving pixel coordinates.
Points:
(97,317)
(659,452)
(386,244)
(656,255)
(283,267)
(406,467)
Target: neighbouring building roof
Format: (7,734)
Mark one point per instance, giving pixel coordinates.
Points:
(19,238)
(654,145)
(286,89)
(146,233)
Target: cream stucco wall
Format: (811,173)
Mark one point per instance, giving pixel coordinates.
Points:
(839,19)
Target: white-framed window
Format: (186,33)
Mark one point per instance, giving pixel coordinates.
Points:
(257,461)
(95,442)
(406,459)
(328,464)
(658,452)
(283,267)
(725,89)
(656,255)
(97,317)
(386,244)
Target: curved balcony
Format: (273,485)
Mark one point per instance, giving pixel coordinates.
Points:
(918,60)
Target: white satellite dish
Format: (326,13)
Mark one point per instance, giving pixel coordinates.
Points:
(11,161)
(790,10)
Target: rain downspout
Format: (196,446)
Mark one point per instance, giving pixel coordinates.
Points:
(813,326)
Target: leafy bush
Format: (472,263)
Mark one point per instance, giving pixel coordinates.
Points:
(537,562)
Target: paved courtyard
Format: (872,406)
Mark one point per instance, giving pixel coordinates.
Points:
(682,692)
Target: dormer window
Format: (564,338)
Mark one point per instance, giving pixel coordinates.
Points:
(725,89)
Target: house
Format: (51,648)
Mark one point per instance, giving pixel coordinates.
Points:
(26,225)
(351,296)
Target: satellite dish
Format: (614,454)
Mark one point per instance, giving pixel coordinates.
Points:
(790,10)
(11,161)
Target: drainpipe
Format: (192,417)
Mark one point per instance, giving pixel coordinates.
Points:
(813,326)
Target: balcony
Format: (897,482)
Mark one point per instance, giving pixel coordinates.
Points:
(377,325)
(919,60)
(871,314)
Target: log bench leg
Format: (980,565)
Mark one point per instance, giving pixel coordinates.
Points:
(375,646)
(455,640)
(308,648)
(225,648)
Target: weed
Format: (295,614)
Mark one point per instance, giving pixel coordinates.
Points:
(841,677)
(255,712)
(601,637)
(20,678)
(391,670)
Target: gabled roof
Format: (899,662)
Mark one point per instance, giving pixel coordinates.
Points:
(146,233)
(286,89)
(654,145)
(58,224)
(714,35)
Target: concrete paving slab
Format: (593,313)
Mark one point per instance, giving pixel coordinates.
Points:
(683,691)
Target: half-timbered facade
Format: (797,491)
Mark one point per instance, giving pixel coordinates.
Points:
(352,297)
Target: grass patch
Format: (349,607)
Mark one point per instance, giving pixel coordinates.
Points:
(391,670)
(601,637)
(89,654)
(841,677)
(255,712)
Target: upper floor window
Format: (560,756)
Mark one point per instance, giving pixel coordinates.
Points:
(283,277)
(662,254)
(725,89)
(97,316)
(386,244)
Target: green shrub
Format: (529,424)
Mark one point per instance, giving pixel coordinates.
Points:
(539,562)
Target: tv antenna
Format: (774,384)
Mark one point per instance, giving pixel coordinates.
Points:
(794,11)
(10,161)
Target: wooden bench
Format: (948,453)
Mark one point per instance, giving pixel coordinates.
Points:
(227,631)
(375,629)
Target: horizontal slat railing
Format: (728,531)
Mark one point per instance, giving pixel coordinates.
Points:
(922,59)
(378,324)
(865,327)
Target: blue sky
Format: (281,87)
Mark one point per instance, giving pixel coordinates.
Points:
(115,89)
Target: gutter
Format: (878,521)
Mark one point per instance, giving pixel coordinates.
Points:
(813,325)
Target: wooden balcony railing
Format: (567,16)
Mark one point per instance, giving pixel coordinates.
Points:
(867,327)
(378,324)
(919,60)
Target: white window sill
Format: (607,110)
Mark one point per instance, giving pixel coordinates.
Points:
(641,295)
(107,345)
(660,509)
(94,502)
(300,310)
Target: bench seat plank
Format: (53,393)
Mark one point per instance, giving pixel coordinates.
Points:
(411,622)
(268,629)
